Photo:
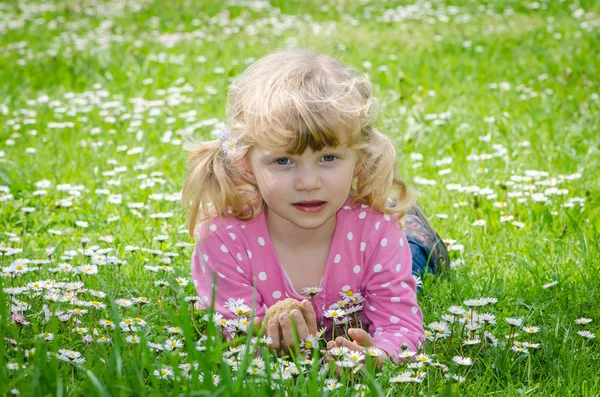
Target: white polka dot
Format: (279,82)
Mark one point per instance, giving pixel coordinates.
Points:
(364,205)
(403,284)
(377,268)
(363,246)
(395,299)
(261,241)
(404,330)
(350,236)
(229,227)
(356,269)
(239,269)
(262,276)
(345,288)
(243,226)
(249,254)
(414,309)
(277,294)
(372,308)
(195,282)
(239,256)
(398,267)
(397,334)
(337,258)
(232,236)
(223,248)
(377,225)
(212,227)
(203,269)
(362,215)
(205,257)
(221,275)
(385,285)
(401,242)
(379,329)
(384,242)
(386,217)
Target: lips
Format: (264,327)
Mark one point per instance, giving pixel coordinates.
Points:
(313,202)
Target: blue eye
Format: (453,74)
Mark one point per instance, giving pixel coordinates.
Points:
(325,155)
(283,158)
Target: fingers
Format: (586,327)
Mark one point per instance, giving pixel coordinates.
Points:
(340,341)
(361,337)
(256,325)
(273,332)
(311,317)
(287,329)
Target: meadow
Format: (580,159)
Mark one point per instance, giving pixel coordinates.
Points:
(495,110)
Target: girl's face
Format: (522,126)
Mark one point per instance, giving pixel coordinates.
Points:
(284,179)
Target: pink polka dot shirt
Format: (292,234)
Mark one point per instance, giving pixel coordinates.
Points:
(369,253)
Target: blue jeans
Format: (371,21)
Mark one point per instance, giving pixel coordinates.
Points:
(420,257)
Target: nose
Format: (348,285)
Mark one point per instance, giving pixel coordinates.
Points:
(307,179)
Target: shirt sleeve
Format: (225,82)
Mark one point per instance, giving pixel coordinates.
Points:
(390,299)
(217,260)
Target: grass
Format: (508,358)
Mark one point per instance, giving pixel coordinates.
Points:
(511,80)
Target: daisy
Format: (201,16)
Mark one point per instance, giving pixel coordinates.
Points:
(531,329)
(334,313)
(339,352)
(354,356)
(407,354)
(374,352)
(174,330)
(423,358)
(123,302)
(456,310)
(141,300)
(586,334)
(47,336)
(549,285)
(132,339)
(182,281)
(583,321)
(311,342)
(311,291)
(519,349)
(406,377)
(476,302)
(332,384)
(515,322)
(164,373)
(488,318)
(172,344)
(462,360)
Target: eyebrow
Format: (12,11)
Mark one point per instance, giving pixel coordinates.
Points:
(269,154)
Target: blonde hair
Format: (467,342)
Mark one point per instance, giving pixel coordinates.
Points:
(291,100)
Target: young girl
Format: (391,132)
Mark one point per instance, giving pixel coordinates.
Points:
(292,201)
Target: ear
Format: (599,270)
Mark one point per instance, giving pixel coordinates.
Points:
(245,170)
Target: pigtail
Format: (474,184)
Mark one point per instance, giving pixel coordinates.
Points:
(379,177)
(214,186)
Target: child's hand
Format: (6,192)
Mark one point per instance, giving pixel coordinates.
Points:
(361,339)
(284,341)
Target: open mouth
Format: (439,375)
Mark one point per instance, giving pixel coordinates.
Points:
(312,204)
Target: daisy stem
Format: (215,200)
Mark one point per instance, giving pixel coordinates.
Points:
(529,369)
